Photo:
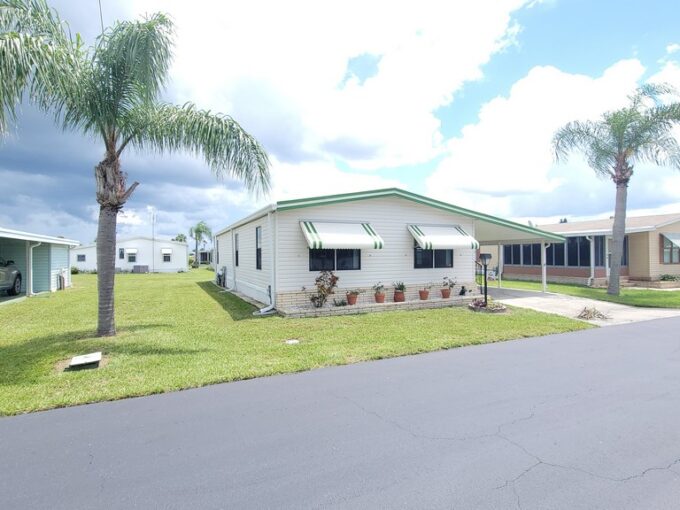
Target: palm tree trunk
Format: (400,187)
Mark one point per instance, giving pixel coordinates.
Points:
(618,233)
(106,269)
(111,195)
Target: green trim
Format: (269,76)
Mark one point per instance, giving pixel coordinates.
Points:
(313,235)
(285,205)
(379,240)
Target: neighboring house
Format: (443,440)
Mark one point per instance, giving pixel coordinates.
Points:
(205,256)
(42,260)
(368,237)
(651,249)
(138,254)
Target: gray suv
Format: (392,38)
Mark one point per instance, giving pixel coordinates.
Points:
(10,277)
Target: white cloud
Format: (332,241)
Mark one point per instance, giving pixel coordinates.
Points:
(672,48)
(507,153)
(283,63)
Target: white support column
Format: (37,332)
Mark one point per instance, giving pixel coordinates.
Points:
(29,269)
(591,239)
(499,276)
(544,271)
(606,257)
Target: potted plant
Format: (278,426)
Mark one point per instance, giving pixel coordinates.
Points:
(379,290)
(447,285)
(399,289)
(352,296)
(424,293)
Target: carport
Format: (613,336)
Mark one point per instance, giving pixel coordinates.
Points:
(44,261)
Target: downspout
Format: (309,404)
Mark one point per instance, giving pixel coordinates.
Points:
(29,287)
(271,309)
(591,279)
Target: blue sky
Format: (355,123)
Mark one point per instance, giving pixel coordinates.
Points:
(452,99)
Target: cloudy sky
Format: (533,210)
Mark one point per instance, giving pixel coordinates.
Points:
(453,99)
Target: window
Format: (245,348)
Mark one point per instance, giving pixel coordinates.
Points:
(217,251)
(167,257)
(516,251)
(624,257)
(572,251)
(558,251)
(427,259)
(583,252)
(599,251)
(334,260)
(121,253)
(550,255)
(258,247)
(671,252)
(80,258)
(132,257)
(236,249)
(507,254)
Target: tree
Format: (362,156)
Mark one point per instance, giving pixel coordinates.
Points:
(111,91)
(200,233)
(640,132)
(180,238)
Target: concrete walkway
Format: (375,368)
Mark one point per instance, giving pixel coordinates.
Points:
(571,306)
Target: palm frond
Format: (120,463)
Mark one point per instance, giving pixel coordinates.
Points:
(219,139)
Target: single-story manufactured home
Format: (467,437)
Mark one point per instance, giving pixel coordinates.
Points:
(390,235)
(43,261)
(138,255)
(651,249)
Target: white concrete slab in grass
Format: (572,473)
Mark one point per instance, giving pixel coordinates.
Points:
(85,359)
(571,306)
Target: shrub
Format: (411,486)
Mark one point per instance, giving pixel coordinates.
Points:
(325,285)
(669,278)
(74,270)
(400,286)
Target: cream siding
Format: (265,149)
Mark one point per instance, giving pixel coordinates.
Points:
(224,256)
(246,278)
(639,255)
(656,266)
(390,217)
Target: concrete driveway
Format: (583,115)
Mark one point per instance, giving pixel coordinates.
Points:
(571,306)
(584,420)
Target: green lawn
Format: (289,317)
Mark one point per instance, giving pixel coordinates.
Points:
(633,297)
(178,331)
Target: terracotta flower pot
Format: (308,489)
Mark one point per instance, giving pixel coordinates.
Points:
(399,296)
(424,294)
(446,293)
(352,299)
(380,298)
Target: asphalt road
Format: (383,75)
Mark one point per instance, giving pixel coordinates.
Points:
(583,420)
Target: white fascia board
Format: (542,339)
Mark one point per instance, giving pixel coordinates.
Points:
(260,213)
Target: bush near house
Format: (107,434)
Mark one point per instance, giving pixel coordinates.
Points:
(181,331)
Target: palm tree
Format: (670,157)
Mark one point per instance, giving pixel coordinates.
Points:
(180,238)
(200,233)
(640,132)
(111,91)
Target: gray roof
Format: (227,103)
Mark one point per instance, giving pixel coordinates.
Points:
(633,224)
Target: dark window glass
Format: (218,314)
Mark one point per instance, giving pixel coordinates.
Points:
(217,251)
(443,258)
(599,251)
(584,252)
(515,253)
(167,257)
(132,257)
(507,254)
(526,255)
(624,257)
(559,254)
(321,260)
(550,255)
(572,251)
(347,260)
(121,253)
(536,254)
(258,247)
(422,259)
(236,249)
(81,258)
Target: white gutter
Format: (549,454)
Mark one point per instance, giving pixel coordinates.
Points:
(29,269)
(268,310)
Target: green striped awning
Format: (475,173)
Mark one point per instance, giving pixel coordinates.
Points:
(334,235)
(442,237)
